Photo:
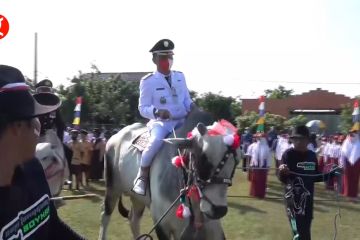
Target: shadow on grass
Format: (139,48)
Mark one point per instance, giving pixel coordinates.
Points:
(87,190)
(244,208)
(100,183)
(324,199)
(99,191)
(320,191)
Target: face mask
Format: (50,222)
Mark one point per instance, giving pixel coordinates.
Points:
(165,64)
(263,140)
(354,137)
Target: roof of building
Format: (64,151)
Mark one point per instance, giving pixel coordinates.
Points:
(317,100)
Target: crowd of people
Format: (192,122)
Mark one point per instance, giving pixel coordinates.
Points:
(301,159)
(85,154)
(334,150)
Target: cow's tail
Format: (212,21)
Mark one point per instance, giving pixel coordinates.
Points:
(122,209)
(109,179)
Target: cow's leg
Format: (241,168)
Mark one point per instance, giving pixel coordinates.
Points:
(162,233)
(214,230)
(163,230)
(136,212)
(107,208)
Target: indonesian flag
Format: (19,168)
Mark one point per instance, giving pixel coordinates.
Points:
(261,121)
(262,106)
(356,112)
(77,111)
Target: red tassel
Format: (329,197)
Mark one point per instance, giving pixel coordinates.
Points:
(179,212)
(194,193)
(236,142)
(177,161)
(182,212)
(189,135)
(186,212)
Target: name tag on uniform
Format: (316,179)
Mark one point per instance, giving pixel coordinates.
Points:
(158,89)
(174,95)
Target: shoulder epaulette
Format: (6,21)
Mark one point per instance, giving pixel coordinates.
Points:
(147,76)
(178,72)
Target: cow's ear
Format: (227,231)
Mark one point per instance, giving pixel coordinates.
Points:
(180,142)
(202,129)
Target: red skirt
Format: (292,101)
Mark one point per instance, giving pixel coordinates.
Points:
(249,174)
(321,163)
(351,179)
(249,169)
(258,183)
(327,168)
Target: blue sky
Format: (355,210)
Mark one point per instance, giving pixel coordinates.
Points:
(236,47)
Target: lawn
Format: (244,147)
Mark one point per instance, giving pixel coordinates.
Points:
(247,218)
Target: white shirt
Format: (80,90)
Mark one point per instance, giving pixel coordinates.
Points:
(250,149)
(261,154)
(282,145)
(155,92)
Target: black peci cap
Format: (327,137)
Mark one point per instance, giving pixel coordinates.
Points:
(163,47)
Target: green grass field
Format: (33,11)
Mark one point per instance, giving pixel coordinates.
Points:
(246,219)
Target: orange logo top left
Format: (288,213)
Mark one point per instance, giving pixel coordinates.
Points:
(4,26)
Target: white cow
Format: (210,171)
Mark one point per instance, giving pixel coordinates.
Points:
(209,152)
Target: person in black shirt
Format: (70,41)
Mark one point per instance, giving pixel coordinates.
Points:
(298,171)
(26,210)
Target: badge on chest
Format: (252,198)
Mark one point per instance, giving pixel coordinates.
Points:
(162,100)
(174,97)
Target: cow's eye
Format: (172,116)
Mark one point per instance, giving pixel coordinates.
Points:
(204,167)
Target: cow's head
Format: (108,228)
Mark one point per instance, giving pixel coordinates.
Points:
(212,166)
(54,167)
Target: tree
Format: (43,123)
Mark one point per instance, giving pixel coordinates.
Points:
(249,119)
(346,118)
(219,106)
(295,121)
(104,102)
(193,94)
(235,108)
(115,101)
(278,93)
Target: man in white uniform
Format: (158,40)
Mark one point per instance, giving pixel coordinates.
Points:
(165,101)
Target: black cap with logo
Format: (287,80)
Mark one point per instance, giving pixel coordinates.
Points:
(16,101)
